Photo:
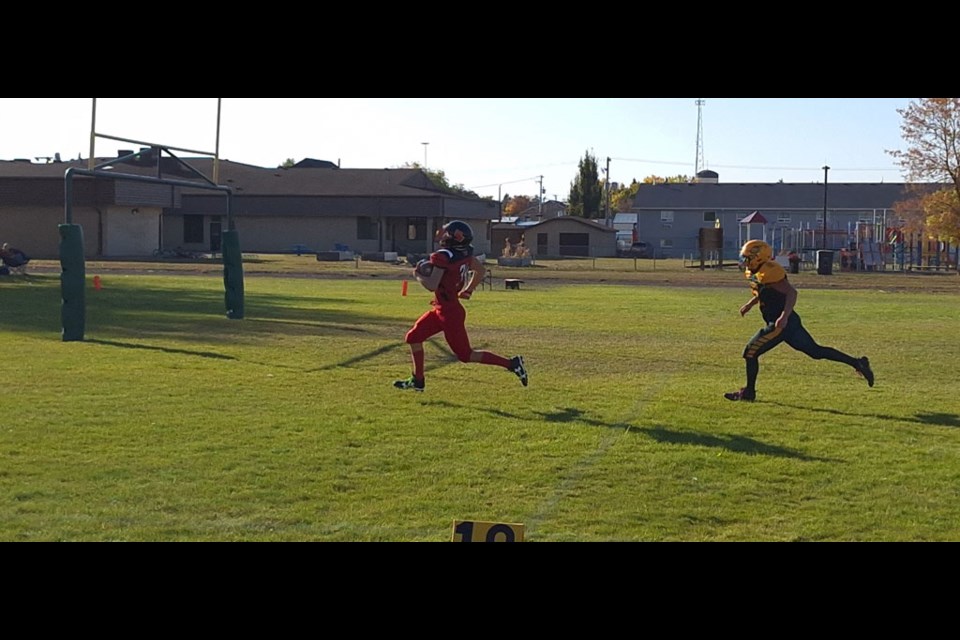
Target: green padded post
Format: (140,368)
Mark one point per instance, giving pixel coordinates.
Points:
(233,274)
(73,310)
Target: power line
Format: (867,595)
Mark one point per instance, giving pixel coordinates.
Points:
(755,168)
(500,184)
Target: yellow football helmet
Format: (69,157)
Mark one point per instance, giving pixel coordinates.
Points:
(755,253)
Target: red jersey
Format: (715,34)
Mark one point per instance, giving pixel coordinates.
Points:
(456,273)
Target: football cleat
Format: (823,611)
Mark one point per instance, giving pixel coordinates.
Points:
(518,368)
(410,383)
(743,395)
(863,368)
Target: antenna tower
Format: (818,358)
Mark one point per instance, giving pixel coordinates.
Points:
(700,163)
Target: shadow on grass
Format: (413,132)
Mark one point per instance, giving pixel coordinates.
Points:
(735,444)
(934,419)
(188,309)
(182,352)
(358,359)
(939,419)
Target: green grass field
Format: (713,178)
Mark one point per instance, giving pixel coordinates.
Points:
(172,423)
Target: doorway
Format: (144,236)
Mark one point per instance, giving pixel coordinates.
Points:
(216,236)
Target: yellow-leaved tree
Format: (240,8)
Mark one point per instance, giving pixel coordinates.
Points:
(930,128)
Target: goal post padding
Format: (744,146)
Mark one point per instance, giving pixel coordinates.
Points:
(233,274)
(72,283)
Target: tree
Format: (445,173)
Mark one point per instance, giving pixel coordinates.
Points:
(288,163)
(586,193)
(911,213)
(516,205)
(622,198)
(931,130)
(439,178)
(674,180)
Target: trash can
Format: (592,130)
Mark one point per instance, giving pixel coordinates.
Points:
(794,260)
(825,263)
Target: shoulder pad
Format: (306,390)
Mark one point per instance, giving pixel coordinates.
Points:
(442,258)
(770,272)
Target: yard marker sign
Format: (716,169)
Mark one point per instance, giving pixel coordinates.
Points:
(469,531)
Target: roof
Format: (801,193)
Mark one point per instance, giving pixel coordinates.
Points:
(589,223)
(310,178)
(763,196)
(754,218)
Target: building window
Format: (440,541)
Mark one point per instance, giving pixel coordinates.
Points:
(367,229)
(192,229)
(417,229)
(783,218)
(666,244)
(666,216)
(543,241)
(710,216)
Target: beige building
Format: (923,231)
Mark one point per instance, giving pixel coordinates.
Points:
(312,207)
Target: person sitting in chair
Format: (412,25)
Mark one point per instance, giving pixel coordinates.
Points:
(13,257)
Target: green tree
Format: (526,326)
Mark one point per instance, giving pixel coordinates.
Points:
(439,178)
(931,129)
(288,163)
(586,192)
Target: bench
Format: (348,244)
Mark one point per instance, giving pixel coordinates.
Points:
(512,283)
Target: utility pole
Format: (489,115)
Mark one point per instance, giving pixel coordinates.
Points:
(500,200)
(540,199)
(607,214)
(826,169)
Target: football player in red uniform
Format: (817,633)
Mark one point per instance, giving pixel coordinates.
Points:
(448,276)
(777,297)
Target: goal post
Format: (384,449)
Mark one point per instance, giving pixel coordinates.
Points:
(72,252)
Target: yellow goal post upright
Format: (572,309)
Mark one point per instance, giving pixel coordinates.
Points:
(72,253)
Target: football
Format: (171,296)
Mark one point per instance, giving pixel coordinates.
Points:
(428,275)
(424,268)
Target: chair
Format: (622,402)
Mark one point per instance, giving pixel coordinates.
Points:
(487,280)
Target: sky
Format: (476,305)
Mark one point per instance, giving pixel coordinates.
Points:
(492,146)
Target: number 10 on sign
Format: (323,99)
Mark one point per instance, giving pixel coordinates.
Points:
(468,531)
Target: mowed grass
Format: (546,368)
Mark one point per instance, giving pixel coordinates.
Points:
(172,423)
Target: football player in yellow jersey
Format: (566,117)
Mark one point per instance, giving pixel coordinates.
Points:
(777,297)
